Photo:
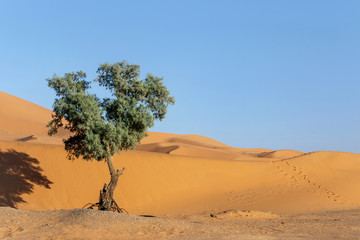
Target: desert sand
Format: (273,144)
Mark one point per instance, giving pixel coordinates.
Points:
(196,187)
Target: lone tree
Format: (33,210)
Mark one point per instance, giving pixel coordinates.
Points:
(101,128)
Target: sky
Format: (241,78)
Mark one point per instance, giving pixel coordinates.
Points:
(252,74)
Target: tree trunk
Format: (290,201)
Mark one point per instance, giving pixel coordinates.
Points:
(106,199)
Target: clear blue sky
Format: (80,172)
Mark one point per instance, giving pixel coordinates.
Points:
(268,74)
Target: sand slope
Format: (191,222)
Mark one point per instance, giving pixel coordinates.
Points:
(24,121)
(168,173)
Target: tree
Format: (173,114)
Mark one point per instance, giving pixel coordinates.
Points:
(101,128)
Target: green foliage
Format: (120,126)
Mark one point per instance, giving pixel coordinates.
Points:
(102,127)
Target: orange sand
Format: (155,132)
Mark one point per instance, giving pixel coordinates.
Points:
(168,173)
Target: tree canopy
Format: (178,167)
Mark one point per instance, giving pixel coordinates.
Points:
(102,127)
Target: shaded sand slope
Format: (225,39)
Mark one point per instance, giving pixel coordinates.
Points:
(168,173)
(185,145)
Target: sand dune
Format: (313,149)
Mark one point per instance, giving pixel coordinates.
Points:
(168,173)
(22,121)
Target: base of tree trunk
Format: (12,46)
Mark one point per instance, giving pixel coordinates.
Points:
(106,202)
(114,208)
(106,199)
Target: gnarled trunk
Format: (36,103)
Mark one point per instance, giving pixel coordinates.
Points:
(106,199)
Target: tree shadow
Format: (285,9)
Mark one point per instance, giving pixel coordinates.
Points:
(19,173)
